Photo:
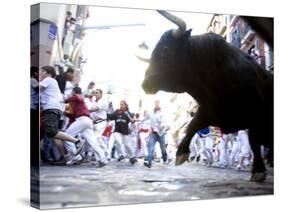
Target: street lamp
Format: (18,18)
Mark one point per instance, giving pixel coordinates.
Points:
(142,52)
(143,46)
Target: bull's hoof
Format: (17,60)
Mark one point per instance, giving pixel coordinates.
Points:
(258,177)
(180,159)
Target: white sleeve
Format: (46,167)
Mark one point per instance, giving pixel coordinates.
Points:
(162,120)
(87,103)
(102,105)
(34,83)
(45,82)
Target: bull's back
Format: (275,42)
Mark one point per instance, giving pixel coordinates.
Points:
(233,88)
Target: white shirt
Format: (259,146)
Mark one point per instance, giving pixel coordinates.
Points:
(145,124)
(157,122)
(101,112)
(51,98)
(68,89)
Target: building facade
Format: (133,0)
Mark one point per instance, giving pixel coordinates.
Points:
(55,33)
(237,32)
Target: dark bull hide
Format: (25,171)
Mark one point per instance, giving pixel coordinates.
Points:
(233,91)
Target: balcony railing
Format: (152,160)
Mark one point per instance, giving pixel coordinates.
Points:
(246,30)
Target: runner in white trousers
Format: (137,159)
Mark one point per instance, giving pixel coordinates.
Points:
(83,125)
(245,149)
(98,110)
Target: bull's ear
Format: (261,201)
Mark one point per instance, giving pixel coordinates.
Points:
(187,34)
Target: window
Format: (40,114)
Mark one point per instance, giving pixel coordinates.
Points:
(238,28)
(257,44)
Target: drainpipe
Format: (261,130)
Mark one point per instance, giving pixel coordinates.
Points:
(59,45)
(75,53)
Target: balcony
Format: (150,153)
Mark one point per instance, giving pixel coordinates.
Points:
(233,20)
(248,36)
(246,30)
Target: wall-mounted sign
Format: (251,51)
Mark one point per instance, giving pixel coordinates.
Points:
(52,32)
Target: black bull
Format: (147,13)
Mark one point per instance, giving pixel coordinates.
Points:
(233,91)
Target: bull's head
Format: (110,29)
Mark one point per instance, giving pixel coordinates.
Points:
(165,68)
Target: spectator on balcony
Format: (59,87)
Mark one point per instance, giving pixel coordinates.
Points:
(67,24)
(68,34)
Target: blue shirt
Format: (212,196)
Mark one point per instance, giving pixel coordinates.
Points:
(204,132)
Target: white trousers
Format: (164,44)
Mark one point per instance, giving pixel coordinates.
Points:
(134,144)
(111,143)
(206,149)
(244,144)
(125,141)
(193,147)
(223,160)
(143,141)
(98,130)
(84,126)
(234,155)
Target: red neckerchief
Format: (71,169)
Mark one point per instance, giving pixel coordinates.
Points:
(120,111)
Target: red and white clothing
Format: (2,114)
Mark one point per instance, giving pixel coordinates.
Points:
(143,137)
(83,124)
(99,119)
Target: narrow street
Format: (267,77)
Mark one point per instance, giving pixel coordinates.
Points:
(123,183)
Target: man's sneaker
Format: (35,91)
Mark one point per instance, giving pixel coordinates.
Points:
(191,158)
(210,163)
(121,158)
(167,162)
(198,158)
(88,158)
(133,160)
(157,160)
(222,166)
(79,147)
(72,160)
(205,161)
(239,167)
(101,164)
(147,164)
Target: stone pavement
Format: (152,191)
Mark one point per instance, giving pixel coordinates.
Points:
(123,183)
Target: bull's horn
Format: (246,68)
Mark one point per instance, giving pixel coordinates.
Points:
(176,20)
(143,59)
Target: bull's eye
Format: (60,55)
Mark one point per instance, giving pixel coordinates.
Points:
(161,54)
(164,52)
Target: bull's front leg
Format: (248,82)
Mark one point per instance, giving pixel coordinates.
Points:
(198,122)
(258,170)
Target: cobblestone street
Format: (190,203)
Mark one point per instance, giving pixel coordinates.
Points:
(123,183)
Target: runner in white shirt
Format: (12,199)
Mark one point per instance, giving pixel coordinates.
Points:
(98,110)
(51,98)
(158,130)
(51,103)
